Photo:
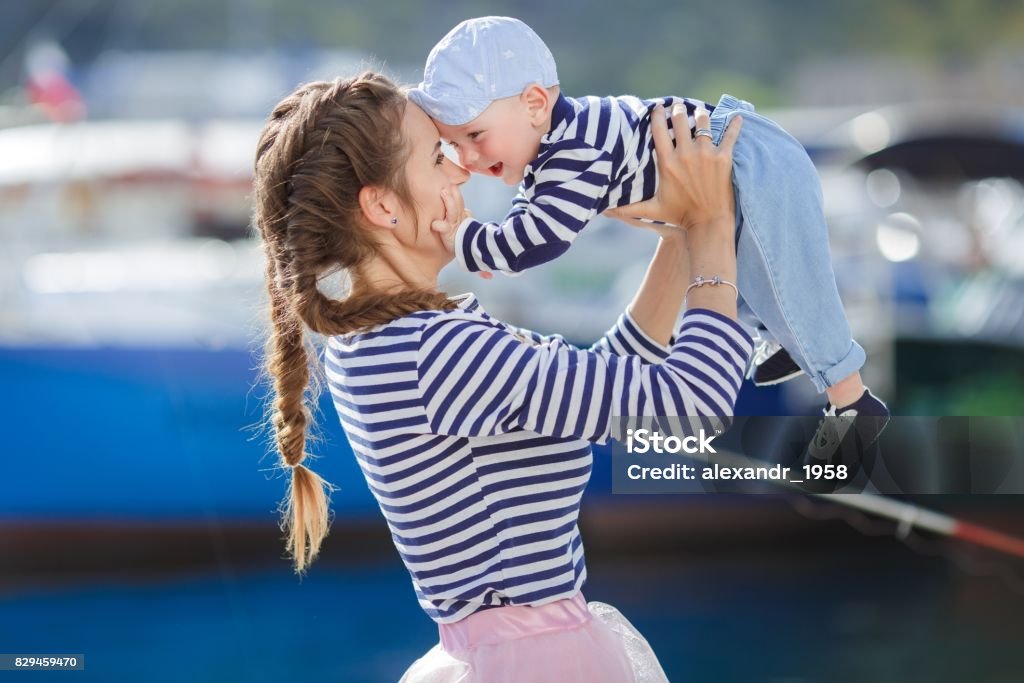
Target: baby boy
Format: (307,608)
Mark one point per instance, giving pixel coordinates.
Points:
(491,87)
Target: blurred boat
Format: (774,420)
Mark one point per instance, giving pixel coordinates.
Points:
(131,295)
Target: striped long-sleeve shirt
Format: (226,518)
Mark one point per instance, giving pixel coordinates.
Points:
(474,438)
(599,154)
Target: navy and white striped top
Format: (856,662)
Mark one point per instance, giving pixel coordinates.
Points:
(598,155)
(474,438)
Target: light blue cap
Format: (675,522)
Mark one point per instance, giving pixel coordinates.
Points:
(479,61)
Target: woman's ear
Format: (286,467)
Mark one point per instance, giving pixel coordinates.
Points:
(538,103)
(379,207)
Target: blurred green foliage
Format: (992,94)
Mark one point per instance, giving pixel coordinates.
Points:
(648,47)
(950,377)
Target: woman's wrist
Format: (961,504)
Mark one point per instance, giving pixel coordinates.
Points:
(720,299)
(714,232)
(712,254)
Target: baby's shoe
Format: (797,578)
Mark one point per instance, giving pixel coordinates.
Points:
(842,437)
(772,364)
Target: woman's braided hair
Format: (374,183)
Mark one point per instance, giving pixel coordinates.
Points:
(320,146)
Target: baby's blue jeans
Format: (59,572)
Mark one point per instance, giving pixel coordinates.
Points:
(787,287)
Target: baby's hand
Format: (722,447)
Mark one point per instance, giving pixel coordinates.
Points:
(455,212)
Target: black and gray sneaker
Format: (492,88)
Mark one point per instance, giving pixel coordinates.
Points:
(772,364)
(842,437)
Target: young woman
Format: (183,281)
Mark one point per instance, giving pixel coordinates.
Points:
(474,436)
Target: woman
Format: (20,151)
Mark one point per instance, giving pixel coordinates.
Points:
(475,436)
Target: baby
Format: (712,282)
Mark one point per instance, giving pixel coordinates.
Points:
(491,86)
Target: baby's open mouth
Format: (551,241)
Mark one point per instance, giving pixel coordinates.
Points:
(496,168)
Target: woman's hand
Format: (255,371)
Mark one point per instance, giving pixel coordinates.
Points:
(695,192)
(695,176)
(455,212)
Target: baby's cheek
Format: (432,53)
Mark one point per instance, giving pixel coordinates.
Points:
(492,150)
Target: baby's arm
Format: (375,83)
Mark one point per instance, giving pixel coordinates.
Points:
(556,201)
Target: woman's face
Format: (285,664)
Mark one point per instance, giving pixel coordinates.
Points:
(427,172)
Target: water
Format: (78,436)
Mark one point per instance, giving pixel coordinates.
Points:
(886,615)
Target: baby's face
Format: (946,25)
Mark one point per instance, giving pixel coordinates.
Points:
(499,143)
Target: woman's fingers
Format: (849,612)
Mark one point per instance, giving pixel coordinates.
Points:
(681,122)
(664,149)
(694,178)
(671,155)
(732,133)
(659,131)
(650,209)
(701,118)
(628,215)
(702,128)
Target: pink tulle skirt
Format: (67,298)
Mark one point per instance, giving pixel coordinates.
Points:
(564,641)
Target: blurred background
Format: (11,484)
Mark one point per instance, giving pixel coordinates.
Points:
(137,508)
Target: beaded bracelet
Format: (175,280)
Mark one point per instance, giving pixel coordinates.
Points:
(715,281)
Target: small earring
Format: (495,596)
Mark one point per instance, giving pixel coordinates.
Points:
(394,221)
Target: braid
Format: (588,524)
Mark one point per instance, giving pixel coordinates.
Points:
(320,146)
(305,511)
(330,317)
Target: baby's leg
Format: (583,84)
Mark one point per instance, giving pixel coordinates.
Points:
(783,261)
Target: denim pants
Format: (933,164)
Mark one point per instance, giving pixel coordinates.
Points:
(787,287)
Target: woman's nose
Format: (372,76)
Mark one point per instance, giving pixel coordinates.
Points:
(457,174)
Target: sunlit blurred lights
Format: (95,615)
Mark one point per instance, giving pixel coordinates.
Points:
(871,132)
(52,273)
(226,148)
(215,259)
(844,190)
(883,187)
(131,271)
(949,240)
(995,200)
(898,238)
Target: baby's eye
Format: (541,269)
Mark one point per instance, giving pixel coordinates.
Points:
(440,159)
(474,136)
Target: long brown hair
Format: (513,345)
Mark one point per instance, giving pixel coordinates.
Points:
(320,146)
